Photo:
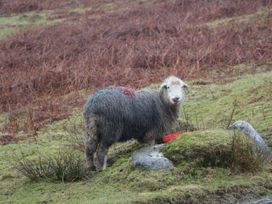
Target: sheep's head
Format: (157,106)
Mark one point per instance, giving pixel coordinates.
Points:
(172,90)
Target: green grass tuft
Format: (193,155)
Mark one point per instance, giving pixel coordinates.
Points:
(65,166)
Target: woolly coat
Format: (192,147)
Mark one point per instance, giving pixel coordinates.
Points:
(121,114)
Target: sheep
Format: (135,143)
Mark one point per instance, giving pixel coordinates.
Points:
(117,114)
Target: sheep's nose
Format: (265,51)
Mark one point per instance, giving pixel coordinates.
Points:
(176,99)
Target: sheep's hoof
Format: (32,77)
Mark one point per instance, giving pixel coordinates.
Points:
(98,170)
(91,168)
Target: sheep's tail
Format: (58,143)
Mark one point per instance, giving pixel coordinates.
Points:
(91,141)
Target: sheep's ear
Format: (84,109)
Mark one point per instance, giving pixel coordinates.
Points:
(163,86)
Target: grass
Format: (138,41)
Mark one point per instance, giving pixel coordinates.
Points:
(210,106)
(261,15)
(5,32)
(3,119)
(66,166)
(15,24)
(204,148)
(213,149)
(201,172)
(25,19)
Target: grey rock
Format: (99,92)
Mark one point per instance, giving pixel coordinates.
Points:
(150,158)
(260,145)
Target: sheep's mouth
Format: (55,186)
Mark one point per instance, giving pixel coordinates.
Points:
(175,102)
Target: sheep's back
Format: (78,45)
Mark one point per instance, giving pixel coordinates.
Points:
(137,112)
(107,103)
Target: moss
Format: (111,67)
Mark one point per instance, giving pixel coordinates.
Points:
(204,148)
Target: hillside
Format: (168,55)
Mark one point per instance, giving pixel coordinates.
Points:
(187,182)
(131,43)
(54,54)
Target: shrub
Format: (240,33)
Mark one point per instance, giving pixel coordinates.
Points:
(65,167)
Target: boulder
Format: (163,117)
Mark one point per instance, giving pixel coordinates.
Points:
(150,158)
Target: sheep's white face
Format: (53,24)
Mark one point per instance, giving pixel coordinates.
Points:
(173,88)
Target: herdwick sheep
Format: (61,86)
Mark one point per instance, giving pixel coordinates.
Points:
(118,114)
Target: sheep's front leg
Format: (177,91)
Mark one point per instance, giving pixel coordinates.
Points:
(151,142)
(150,137)
(101,154)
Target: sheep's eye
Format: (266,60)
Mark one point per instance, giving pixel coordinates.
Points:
(167,87)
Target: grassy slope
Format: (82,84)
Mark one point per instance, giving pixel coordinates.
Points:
(208,107)
(251,94)
(16,23)
(13,24)
(260,15)
(10,25)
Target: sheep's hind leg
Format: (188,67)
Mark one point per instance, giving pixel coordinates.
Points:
(102,152)
(90,148)
(91,144)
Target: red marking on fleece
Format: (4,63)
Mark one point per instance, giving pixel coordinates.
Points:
(127,91)
(168,138)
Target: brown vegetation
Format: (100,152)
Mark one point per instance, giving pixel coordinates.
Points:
(20,6)
(135,47)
